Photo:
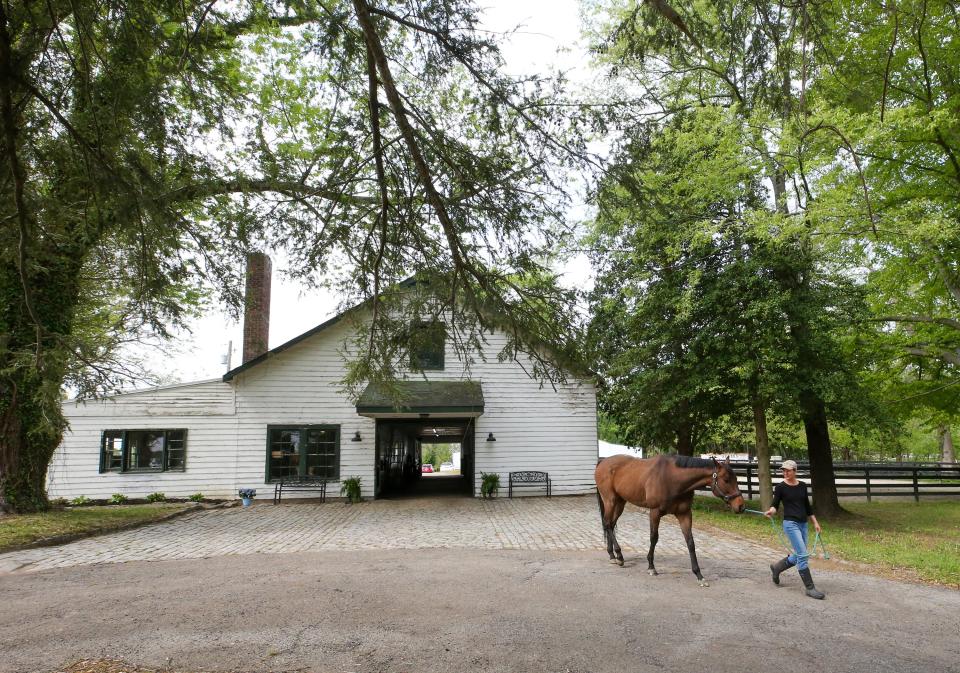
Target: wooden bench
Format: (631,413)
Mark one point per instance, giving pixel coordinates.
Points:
(300,484)
(528,479)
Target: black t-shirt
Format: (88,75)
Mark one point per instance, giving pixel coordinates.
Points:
(796,504)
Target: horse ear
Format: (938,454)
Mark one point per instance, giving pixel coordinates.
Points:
(715,461)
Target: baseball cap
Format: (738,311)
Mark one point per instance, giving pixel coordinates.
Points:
(788,465)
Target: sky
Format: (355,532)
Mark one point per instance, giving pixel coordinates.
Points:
(546,37)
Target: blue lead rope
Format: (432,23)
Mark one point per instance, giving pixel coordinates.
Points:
(813,550)
(817,540)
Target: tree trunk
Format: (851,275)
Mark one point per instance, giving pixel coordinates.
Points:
(684,430)
(763,455)
(947,454)
(685,439)
(812,408)
(24,456)
(824,487)
(33,362)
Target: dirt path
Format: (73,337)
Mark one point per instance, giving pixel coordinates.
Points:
(469,610)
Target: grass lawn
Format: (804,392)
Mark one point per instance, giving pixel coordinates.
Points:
(902,539)
(21,529)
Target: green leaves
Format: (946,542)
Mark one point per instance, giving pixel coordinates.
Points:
(159,142)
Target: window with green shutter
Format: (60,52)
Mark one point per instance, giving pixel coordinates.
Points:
(143,450)
(303,451)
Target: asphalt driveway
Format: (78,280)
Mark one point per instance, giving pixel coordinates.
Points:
(488,596)
(433,610)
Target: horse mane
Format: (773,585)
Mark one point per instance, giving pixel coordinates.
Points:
(689,461)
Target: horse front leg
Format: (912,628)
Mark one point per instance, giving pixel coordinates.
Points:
(686,525)
(654,536)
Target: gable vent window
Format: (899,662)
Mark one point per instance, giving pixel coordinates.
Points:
(427,346)
(143,450)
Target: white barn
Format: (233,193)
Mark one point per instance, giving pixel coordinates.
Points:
(283,413)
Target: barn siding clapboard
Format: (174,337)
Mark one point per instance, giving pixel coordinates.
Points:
(207,410)
(536,427)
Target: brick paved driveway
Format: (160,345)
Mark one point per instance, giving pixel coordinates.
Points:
(555,524)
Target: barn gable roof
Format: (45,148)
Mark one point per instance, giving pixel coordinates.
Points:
(282,347)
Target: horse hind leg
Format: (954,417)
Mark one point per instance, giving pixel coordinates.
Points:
(610,510)
(616,554)
(607,530)
(610,540)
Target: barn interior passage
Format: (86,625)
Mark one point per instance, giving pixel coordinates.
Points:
(405,447)
(421,423)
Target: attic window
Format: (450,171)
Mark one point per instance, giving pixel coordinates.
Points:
(427,345)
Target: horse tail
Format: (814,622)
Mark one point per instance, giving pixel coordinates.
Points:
(600,505)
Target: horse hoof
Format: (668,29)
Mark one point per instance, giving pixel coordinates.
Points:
(653,572)
(615,561)
(620,562)
(704,583)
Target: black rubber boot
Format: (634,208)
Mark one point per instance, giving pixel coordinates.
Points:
(808,583)
(779,567)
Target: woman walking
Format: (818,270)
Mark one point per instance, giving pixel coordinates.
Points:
(796,509)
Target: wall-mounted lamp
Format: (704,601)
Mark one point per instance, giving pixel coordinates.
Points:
(356,437)
(490,437)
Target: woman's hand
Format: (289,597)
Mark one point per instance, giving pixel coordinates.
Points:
(816,524)
(770,512)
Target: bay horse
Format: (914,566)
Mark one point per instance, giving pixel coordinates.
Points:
(664,485)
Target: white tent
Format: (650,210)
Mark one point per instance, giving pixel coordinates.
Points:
(608,449)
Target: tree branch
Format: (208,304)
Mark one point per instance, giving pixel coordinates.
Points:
(443,39)
(245,185)
(374,107)
(433,197)
(856,160)
(886,72)
(671,15)
(946,322)
(947,279)
(950,357)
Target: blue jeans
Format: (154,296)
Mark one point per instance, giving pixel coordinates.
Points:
(797,534)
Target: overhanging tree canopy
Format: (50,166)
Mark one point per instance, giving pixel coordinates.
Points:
(147,145)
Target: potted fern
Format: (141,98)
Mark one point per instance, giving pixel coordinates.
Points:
(490,484)
(350,488)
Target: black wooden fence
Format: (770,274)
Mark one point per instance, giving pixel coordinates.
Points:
(853,479)
(869,479)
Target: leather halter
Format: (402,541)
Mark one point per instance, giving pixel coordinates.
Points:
(716,490)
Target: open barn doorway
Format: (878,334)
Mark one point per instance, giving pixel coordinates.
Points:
(423,457)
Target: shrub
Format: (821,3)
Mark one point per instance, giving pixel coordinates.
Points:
(118,499)
(80,500)
(156,497)
(351,489)
(59,503)
(196,497)
(490,485)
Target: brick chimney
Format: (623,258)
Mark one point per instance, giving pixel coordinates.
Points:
(256,311)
